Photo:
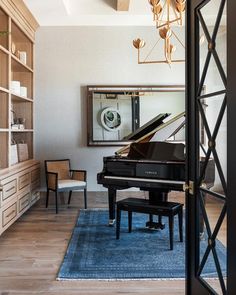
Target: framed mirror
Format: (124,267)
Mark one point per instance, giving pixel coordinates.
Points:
(114,112)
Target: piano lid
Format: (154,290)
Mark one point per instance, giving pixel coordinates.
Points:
(157,151)
(166,126)
(146,128)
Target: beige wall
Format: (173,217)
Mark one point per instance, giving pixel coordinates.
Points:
(68,59)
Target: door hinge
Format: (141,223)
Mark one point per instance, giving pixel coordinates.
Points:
(189,187)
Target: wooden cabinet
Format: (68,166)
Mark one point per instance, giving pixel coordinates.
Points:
(18,183)
(19,190)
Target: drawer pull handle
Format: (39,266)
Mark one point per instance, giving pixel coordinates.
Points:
(10,189)
(26,201)
(24,180)
(13,211)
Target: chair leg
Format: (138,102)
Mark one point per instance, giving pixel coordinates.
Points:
(70,193)
(180,216)
(56,202)
(118,216)
(130,220)
(171,229)
(85,198)
(47,197)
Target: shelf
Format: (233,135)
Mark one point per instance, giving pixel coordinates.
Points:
(22,130)
(21,43)
(25,136)
(18,65)
(4,130)
(4,49)
(2,89)
(24,111)
(26,80)
(18,98)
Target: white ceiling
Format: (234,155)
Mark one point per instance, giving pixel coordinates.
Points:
(96,12)
(89,12)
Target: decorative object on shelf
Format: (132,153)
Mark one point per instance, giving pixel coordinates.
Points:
(17,127)
(13,47)
(13,115)
(23,57)
(13,153)
(15,87)
(4,33)
(21,121)
(16,123)
(22,149)
(17,54)
(110,119)
(23,91)
(166,13)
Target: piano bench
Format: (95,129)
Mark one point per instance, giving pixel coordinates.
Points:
(169,209)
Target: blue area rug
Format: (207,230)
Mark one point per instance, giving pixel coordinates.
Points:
(94,252)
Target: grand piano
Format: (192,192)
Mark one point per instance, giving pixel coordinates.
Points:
(150,163)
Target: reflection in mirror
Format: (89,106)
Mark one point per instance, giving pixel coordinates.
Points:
(116,112)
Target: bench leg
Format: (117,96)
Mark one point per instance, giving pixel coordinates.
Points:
(118,216)
(180,217)
(171,229)
(150,218)
(130,220)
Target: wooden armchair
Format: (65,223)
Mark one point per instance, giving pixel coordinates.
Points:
(60,178)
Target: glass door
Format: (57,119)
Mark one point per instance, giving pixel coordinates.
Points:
(207,147)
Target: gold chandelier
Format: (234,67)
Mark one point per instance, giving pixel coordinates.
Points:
(165,13)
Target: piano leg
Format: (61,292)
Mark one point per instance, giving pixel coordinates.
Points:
(155,197)
(112,203)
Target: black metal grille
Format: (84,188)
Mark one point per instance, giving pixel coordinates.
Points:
(211,150)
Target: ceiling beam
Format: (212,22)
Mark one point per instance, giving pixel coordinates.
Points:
(122,5)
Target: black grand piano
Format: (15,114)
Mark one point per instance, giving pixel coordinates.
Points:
(149,163)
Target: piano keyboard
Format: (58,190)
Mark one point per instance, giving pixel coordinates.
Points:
(146,179)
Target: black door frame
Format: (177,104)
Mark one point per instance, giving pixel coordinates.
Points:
(191,148)
(231,146)
(193,286)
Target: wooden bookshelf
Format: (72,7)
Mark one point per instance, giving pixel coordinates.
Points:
(18,181)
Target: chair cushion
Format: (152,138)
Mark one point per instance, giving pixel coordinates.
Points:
(71,183)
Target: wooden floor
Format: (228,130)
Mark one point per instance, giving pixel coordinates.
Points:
(32,250)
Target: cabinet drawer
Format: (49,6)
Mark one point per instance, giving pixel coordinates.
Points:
(35,197)
(9,214)
(35,175)
(35,185)
(24,201)
(9,189)
(24,180)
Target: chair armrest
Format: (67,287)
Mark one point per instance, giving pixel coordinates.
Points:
(79,175)
(52,180)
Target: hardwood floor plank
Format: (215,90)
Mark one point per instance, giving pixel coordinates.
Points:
(32,249)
